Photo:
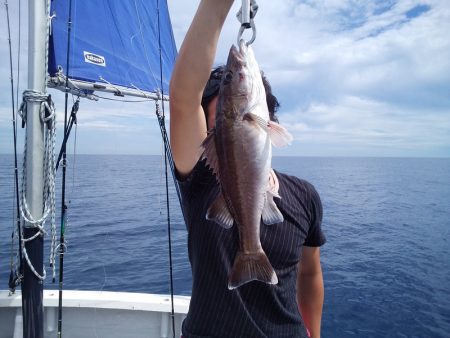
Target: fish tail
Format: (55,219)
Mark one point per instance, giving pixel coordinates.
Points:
(252,266)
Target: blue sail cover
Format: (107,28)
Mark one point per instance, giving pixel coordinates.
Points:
(117,40)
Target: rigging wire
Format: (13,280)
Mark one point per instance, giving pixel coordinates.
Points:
(13,276)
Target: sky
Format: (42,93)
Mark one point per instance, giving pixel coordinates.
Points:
(354,78)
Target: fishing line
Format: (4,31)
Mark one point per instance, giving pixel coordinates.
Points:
(161,176)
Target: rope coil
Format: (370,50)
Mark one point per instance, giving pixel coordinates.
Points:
(48,118)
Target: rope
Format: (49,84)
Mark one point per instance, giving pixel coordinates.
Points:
(48,118)
(47,115)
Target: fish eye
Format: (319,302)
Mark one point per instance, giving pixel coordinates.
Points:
(228,77)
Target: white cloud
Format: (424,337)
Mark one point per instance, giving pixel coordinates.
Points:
(352,60)
(355,122)
(345,72)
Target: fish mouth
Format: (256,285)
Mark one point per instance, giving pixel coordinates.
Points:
(239,54)
(243,48)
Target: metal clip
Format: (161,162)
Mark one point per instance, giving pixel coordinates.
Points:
(245,15)
(241,31)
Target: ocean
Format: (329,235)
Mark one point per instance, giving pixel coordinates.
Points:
(386,263)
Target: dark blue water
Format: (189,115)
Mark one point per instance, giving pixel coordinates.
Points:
(386,263)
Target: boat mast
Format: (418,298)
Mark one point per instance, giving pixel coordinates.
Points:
(32,287)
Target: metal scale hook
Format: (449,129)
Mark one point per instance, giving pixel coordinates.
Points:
(245,15)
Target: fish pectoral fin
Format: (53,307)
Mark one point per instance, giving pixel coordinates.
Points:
(259,121)
(251,266)
(279,135)
(210,152)
(219,213)
(270,213)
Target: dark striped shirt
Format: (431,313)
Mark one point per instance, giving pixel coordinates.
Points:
(255,309)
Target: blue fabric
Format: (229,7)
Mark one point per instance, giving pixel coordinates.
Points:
(117,40)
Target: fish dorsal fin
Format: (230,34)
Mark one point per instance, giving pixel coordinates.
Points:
(270,213)
(219,213)
(210,153)
(279,135)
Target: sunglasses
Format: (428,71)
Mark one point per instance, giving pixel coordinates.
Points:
(213,84)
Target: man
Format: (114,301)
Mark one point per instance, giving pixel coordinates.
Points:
(294,305)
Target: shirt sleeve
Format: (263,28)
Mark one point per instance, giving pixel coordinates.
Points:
(315,236)
(193,187)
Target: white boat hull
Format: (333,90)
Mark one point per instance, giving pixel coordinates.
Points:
(98,314)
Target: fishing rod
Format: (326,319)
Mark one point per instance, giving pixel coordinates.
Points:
(167,154)
(61,245)
(15,277)
(72,121)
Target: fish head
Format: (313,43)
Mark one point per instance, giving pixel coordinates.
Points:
(241,86)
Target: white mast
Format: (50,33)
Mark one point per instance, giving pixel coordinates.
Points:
(37,32)
(32,287)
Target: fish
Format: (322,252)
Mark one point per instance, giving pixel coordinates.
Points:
(239,151)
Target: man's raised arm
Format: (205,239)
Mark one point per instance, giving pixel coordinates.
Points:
(191,72)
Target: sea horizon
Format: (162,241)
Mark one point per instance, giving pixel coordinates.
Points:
(274,156)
